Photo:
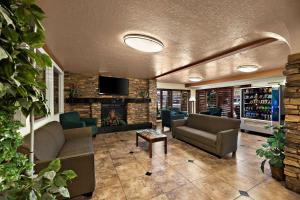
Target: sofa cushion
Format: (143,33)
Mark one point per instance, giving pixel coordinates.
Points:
(207,138)
(77,146)
(212,124)
(48,141)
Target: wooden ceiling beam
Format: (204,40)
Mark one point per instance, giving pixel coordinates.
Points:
(222,54)
(255,75)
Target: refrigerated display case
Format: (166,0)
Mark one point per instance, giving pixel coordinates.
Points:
(261,107)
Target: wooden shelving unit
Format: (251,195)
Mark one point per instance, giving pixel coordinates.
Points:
(217,97)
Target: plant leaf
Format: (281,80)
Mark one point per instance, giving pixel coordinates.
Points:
(49,175)
(5,14)
(70,174)
(3,53)
(32,195)
(64,192)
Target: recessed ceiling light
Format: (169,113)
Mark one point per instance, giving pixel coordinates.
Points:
(247,68)
(143,43)
(195,79)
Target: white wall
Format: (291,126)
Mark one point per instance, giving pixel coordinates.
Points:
(50,100)
(171,86)
(178,87)
(254,82)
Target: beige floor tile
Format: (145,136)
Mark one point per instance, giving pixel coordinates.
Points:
(130,170)
(169,179)
(119,172)
(160,197)
(141,188)
(106,178)
(187,192)
(154,164)
(191,171)
(272,190)
(109,193)
(237,180)
(216,189)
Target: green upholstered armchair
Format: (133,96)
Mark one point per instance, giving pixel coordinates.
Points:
(167,116)
(178,111)
(71,120)
(213,111)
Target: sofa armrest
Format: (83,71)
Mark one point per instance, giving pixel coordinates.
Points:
(78,133)
(227,141)
(90,121)
(178,122)
(71,124)
(83,165)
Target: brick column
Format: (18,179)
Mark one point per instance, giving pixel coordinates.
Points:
(152,105)
(292,120)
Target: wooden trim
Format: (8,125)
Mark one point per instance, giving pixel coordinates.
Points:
(222,54)
(50,53)
(260,74)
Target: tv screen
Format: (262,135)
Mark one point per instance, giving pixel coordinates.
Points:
(113,86)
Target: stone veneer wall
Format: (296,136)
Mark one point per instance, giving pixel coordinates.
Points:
(88,87)
(292,120)
(153,105)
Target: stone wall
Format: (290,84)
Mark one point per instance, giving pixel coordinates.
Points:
(152,105)
(88,87)
(292,120)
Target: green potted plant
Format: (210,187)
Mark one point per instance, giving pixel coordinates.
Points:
(273,152)
(21,33)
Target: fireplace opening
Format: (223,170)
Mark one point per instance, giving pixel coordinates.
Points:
(113,114)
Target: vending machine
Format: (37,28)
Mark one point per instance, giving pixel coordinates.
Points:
(261,107)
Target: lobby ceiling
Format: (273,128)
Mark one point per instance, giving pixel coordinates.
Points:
(87,36)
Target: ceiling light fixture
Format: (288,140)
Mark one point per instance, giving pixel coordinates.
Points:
(195,79)
(247,68)
(143,43)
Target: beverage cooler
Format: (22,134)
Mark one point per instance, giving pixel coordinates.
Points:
(261,107)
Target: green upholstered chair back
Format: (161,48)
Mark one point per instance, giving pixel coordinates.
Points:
(69,116)
(215,111)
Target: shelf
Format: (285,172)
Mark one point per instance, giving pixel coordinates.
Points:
(106,100)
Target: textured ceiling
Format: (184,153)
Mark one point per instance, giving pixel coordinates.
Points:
(86,36)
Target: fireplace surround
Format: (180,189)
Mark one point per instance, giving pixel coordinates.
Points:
(114,113)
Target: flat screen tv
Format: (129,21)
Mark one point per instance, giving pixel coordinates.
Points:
(113,86)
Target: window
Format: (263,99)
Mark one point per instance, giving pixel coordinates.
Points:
(167,98)
(176,99)
(164,99)
(56,95)
(158,102)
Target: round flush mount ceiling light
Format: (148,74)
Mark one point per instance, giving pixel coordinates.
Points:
(195,79)
(247,68)
(143,43)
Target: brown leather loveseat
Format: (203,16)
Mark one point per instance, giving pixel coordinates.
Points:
(73,147)
(217,135)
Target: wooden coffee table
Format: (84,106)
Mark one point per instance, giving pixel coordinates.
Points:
(151,136)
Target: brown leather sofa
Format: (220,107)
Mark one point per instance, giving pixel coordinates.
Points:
(73,147)
(217,135)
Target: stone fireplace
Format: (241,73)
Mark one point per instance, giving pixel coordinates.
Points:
(136,111)
(113,113)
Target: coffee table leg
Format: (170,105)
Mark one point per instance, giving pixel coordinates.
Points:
(137,140)
(166,148)
(150,149)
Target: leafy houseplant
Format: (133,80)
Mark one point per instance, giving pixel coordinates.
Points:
(21,33)
(273,151)
(74,91)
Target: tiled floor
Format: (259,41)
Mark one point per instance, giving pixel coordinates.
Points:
(185,173)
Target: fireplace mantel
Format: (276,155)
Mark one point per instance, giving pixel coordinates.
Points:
(106,100)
